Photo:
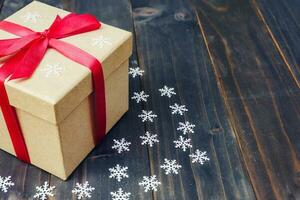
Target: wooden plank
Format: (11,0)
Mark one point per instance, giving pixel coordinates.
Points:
(261,96)
(95,168)
(281,19)
(172,52)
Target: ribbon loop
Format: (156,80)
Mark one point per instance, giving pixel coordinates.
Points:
(73,24)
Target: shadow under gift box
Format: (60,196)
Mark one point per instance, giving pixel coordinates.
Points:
(54,106)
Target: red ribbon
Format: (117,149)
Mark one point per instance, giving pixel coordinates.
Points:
(27,51)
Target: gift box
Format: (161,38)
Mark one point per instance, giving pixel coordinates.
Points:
(55,105)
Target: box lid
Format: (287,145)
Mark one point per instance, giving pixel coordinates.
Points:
(60,84)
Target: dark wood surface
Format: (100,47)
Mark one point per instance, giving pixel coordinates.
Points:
(234,64)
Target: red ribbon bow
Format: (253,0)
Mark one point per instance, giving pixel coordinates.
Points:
(26,53)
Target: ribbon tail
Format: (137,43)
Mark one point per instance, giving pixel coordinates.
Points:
(9,112)
(31,59)
(87,60)
(28,59)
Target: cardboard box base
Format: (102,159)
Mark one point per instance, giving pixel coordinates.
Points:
(59,148)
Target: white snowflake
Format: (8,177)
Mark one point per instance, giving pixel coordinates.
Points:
(44,191)
(170,166)
(149,139)
(101,41)
(120,195)
(121,145)
(31,17)
(183,143)
(199,157)
(147,116)
(83,190)
(5,183)
(178,109)
(53,70)
(118,172)
(166,91)
(186,127)
(140,96)
(134,72)
(150,183)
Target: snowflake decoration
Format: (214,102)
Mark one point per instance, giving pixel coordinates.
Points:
(42,192)
(147,116)
(140,96)
(121,145)
(178,109)
(150,183)
(120,195)
(166,91)
(31,17)
(5,183)
(53,70)
(186,127)
(149,139)
(83,190)
(170,166)
(118,172)
(199,157)
(183,143)
(101,41)
(134,72)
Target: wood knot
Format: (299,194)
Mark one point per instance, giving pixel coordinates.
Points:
(216,129)
(144,14)
(182,16)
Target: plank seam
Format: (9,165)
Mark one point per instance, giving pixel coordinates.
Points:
(1,5)
(141,87)
(224,97)
(276,44)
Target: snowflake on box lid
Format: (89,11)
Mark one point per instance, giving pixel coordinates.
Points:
(170,166)
(31,17)
(149,139)
(199,157)
(134,72)
(44,191)
(121,145)
(147,115)
(150,183)
(166,91)
(186,127)
(178,109)
(139,97)
(53,70)
(5,183)
(118,172)
(183,143)
(83,190)
(101,41)
(120,195)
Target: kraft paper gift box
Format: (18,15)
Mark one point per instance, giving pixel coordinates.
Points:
(54,105)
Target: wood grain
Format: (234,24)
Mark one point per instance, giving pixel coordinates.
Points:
(234,64)
(172,52)
(282,23)
(261,96)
